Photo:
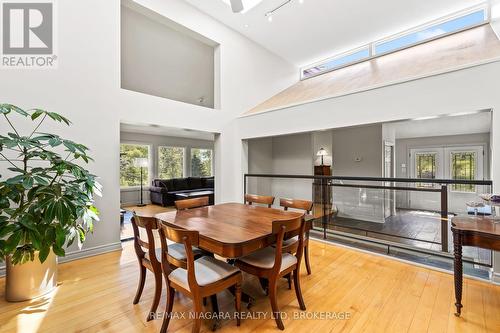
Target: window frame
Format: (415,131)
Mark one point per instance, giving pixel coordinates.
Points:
(431,24)
(476,164)
(435,167)
(183,160)
(336,57)
(191,159)
(486,7)
(150,158)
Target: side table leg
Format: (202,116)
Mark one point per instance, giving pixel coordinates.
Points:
(457,246)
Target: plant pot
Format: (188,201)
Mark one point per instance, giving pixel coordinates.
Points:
(32,279)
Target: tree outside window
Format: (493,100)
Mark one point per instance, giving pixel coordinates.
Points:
(426,167)
(130,175)
(201,162)
(170,162)
(463,167)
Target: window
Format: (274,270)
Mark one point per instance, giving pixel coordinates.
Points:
(201,162)
(457,22)
(130,173)
(337,62)
(425,167)
(463,167)
(170,162)
(434,31)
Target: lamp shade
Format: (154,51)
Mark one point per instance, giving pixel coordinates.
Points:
(141,162)
(322,152)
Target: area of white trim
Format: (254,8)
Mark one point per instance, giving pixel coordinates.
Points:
(377,86)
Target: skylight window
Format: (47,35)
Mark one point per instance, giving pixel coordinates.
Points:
(337,62)
(454,23)
(432,32)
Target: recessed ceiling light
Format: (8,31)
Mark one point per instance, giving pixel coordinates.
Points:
(246,25)
(270,17)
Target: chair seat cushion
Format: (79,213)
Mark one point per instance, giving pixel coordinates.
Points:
(265,259)
(175,250)
(207,270)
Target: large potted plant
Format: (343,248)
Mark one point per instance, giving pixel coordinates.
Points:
(46,200)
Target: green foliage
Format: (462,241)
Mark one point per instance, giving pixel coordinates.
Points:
(201,162)
(170,162)
(130,175)
(47,201)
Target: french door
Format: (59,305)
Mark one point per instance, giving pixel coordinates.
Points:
(460,163)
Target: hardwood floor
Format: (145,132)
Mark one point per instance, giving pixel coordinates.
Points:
(378,295)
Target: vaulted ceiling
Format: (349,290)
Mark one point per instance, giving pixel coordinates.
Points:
(317,29)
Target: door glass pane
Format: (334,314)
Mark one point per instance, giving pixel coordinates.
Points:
(201,162)
(170,162)
(130,173)
(425,164)
(463,167)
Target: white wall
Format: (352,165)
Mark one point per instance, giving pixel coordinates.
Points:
(159,60)
(363,143)
(260,160)
(292,155)
(289,155)
(131,196)
(86,88)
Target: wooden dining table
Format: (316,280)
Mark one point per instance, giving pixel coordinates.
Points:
(230,230)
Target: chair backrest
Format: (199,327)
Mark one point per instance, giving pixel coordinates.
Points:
(148,224)
(260,199)
(189,238)
(280,228)
(296,204)
(191,203)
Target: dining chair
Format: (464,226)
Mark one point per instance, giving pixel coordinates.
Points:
(203,277)
(307,206)
(148,256)
(273,263)
(260,199)
(191,203)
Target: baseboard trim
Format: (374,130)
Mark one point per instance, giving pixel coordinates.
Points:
(135,203)
(90,252)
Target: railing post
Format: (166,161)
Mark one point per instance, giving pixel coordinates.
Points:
(324,203)
(444,218)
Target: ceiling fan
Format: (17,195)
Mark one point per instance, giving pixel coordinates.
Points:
(237,6)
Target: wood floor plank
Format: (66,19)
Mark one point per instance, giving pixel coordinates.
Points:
(377,294)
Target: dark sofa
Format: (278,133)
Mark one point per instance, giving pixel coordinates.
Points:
(163,191)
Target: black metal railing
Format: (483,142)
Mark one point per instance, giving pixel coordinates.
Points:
(325,183)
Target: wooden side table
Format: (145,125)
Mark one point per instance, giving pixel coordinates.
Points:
(471,231)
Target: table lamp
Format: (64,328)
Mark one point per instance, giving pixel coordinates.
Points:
(322,152)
